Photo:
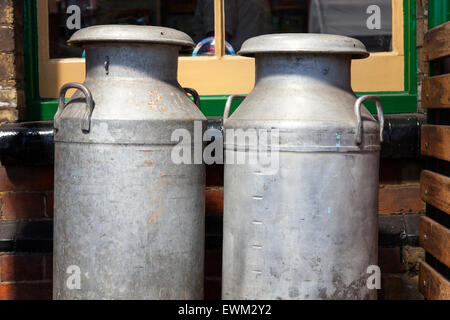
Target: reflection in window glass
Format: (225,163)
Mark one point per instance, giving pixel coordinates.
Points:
(243,19)
(367,20)
(177,14)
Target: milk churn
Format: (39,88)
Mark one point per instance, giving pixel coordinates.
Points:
(129,222)
(304,224)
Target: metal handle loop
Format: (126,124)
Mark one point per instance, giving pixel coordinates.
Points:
(359,102)
(194,95)
(86,121)
(226,112)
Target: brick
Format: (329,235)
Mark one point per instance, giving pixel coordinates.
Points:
(390,260)
(214,201)
(8,83)
(8,114)
(14,178)
(21,268)
(400,199)
(7,66)
(8,94)
(26,291)
(49,205)
(48,267)
(6,12)
(22,206)
(7,41)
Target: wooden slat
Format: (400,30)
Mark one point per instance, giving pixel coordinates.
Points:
(435,239)
(435,190)
(432,284)
(219,27)
(436,141)
(436,92)
(437,42)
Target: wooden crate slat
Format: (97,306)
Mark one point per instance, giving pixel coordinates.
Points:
(435,239)
(435,190)
(436,92)
(437,42)
(432,284)
(436,141)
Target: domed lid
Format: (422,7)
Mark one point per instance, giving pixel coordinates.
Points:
(304,43)
(131,33)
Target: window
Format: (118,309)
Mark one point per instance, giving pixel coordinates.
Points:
(354,18)
(169,13)
(370,21)
(214,72)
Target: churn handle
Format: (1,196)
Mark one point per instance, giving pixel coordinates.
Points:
(86,122)
(358,104)
(226,112)
(194,95)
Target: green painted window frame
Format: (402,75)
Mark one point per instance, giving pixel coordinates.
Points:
(212,106)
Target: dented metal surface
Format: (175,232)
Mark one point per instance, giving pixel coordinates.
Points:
(308,230)
(129,219)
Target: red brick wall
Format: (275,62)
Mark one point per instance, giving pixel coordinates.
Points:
(25,276)
(26,196)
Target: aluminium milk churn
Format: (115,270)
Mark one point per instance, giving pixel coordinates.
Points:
(129,223)
(304,224)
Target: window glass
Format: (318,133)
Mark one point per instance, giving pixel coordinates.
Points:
(67,16)
(367,20)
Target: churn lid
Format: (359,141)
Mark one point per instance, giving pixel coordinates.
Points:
(131,33)
(304,42)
